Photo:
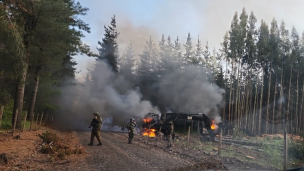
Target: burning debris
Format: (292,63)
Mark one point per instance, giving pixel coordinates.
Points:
(149,132)
(147,120)
(213,125)
(154,124)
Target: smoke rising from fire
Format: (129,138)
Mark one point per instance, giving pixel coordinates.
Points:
(109,94)
(190,91)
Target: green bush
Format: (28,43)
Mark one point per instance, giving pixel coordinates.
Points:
(296,150)
(238,133)
(8,115)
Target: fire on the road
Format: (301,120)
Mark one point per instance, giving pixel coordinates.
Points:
(213,125)
(148,132)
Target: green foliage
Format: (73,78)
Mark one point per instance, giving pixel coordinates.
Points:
(273,148)
(7,116)
(108,50)
(296,150)
(238,133)
(207,147)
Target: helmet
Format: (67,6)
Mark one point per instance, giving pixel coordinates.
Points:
(132,119)
(96,113)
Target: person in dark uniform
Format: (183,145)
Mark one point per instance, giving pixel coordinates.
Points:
(170,129)
(96,124)
(131,129)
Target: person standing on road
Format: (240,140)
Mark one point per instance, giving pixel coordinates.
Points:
(170,129)
(96,124)
(131,129)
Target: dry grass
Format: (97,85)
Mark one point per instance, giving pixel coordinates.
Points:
(58,148)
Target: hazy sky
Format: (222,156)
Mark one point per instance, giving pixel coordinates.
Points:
(208,19)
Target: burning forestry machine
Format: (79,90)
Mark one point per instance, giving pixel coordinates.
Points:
(155,123)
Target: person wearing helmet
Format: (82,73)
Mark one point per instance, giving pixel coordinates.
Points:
(131,129)
(96,124)
(170,129)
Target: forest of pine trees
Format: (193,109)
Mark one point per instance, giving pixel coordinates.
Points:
(259,64)
(38,40)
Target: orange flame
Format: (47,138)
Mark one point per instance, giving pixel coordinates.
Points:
(213,125)
(149,132)
(147,120)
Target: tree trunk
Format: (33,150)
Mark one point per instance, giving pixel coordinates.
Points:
(241,108)
(249,101)
(247,104)
(34,94)
(236,113)
(230,99)
(288,103)
(261,105)
(254,109)
(274,104)
(267,107)
(20,94)
(281,96)
(297,105)
(301,108)
(224,99)
(229,108)
(1,113)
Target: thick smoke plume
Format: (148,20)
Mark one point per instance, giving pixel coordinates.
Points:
(186,90)
(189,90)
(109,94)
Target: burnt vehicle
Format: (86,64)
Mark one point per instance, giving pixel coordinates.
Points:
(153,124)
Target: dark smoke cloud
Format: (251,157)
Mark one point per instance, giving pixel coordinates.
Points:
(187,90)
(190,91)
(109,94)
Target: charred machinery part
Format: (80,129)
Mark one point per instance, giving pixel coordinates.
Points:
(233,128)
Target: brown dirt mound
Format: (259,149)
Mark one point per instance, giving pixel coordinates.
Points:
(25,153)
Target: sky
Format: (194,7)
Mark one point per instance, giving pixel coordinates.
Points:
(209,20)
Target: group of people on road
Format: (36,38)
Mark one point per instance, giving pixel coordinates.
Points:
(96,128)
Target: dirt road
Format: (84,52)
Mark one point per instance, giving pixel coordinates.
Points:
(147,154)
(116,154)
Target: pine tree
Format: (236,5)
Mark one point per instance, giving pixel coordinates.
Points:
(177,54)
(274,53)
(249,59)
(207,57)
(233,54)
(294,86)
(108,50)
(263,50)
(127,64)
(241,50)
(148,68)
(285,51)
(50,56)
(148,71)
(198,54)
(188,55)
